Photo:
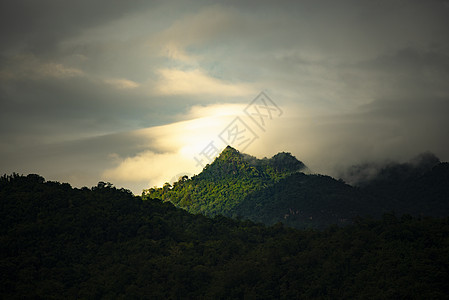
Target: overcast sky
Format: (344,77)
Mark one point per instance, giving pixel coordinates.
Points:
(138,92)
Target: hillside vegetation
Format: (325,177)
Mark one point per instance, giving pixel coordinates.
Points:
(226,182)
(104,243)
(281,189)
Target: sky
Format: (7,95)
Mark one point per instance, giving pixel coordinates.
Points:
(137,93)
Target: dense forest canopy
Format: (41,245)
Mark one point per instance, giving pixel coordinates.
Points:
(224,183)
(103,242)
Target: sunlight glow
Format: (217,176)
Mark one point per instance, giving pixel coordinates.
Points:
(177,144)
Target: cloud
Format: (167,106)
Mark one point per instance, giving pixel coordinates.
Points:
(38,27)
(58,71)
(122,83)
(210,22)
(153,169)
(176,52)
(171,149)
(30,67)
(370,172)
(89,87)
(325,142)
(395,129)
(197,82)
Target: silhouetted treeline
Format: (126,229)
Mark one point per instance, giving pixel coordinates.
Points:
(103,242)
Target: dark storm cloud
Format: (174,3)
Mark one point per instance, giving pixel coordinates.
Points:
(386,129)
(75,105)
(36,26)
(410,71)
(79,78)
(101,150)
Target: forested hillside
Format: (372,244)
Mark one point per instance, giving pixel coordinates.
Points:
(307,201)
(279,190)
(224,184)
(60,242)
(318,201)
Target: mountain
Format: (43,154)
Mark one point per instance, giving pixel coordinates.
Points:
(266,190)
(307,201)
(390,173)
(318,200)
(281,189)
(419,192)
(224,183)
(104,243)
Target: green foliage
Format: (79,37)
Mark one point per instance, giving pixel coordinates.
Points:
(307,201)
(60,242)
(224,184)
(275,190)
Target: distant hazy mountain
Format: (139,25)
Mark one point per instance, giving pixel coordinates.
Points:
(412,190)
(280,189)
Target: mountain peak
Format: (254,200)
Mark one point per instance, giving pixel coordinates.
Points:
(230,149)
(229,153)
(283,162)
(286,162)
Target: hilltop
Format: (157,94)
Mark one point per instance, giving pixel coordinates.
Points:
(267,190)
(282,189)
(224,183)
